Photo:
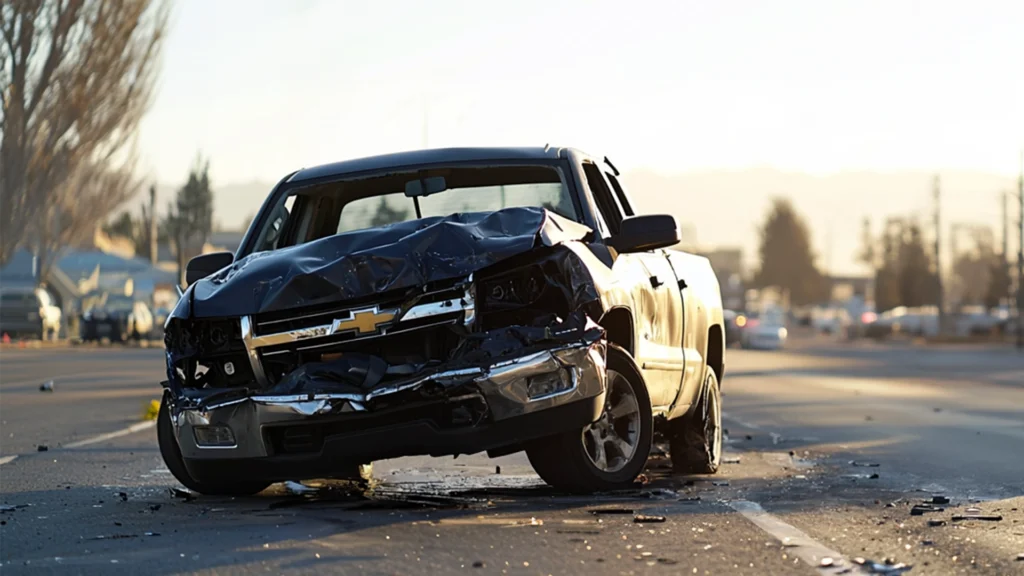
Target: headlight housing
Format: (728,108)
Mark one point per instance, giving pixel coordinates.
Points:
(516,289)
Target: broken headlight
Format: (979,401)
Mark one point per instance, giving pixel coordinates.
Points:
(516,289)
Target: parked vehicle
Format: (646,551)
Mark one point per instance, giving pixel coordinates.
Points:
(116,317)
(733,328)
(29,312)
(445,302)
(765,331)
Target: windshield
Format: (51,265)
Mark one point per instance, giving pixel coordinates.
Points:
(314,212)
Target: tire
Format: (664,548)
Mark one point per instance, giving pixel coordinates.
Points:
(570,461)
(172,458)
(695,440)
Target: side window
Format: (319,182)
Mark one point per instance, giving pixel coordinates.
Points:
(603,197)
(620,195)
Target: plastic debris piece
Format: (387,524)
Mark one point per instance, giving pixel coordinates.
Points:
(984,517)
(185,495)
(46,386)
(644,519)
(889,568)
(599,511)
(297,488)
(920,509)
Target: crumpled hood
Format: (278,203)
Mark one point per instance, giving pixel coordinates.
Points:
(364,262)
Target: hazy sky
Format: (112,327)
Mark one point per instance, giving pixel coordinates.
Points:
(264,87)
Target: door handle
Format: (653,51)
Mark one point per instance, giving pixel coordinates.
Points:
(655,281)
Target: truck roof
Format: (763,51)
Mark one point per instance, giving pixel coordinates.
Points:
(426,157)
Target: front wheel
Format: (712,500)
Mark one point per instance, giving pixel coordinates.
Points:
(695,440)
(610,452)
(176,465)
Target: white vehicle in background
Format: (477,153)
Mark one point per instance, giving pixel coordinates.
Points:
(765,330)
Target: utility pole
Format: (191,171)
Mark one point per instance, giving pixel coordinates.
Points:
(152,225)
(938,259)
(1020,256)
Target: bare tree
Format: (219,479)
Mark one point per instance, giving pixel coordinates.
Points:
(76,77)
(73,210)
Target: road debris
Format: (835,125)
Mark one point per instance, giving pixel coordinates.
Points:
(297,488)
(984,517)
(921,509)
(864,464)
(600,511)
(42,448)
(479,564)
(731,460)
(46,386)
(645,519)
(185,495)
(889,567)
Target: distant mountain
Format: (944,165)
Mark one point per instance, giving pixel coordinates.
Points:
(725,208)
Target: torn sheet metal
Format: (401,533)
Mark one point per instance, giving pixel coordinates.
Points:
(362,263)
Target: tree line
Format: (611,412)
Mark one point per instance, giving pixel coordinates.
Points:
(901,262)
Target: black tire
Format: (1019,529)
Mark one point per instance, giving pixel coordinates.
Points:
(695,440)
(172,458)
(565,461)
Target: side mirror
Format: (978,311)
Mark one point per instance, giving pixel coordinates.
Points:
(202,266)
(646,232)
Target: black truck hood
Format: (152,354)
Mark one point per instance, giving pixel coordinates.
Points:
(364,262)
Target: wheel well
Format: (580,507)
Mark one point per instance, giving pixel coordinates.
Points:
(715,352)
(618,323)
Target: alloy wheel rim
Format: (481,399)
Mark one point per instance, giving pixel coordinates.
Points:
(612,440)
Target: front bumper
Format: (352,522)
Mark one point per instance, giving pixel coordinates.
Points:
(481,408)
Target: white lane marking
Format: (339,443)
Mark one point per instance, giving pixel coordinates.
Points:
(7,459)
(138,427)
(799,544)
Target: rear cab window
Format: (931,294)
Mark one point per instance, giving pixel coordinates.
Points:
(321,210)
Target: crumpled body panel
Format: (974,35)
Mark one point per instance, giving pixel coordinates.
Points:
(365,262)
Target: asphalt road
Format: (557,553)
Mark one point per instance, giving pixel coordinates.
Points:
(918,422)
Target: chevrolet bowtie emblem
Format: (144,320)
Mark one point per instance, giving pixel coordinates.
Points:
(365,321)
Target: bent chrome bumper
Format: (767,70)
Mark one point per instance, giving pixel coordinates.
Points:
(237,428)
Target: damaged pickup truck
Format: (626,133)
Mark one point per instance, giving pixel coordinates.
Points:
(444,302)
